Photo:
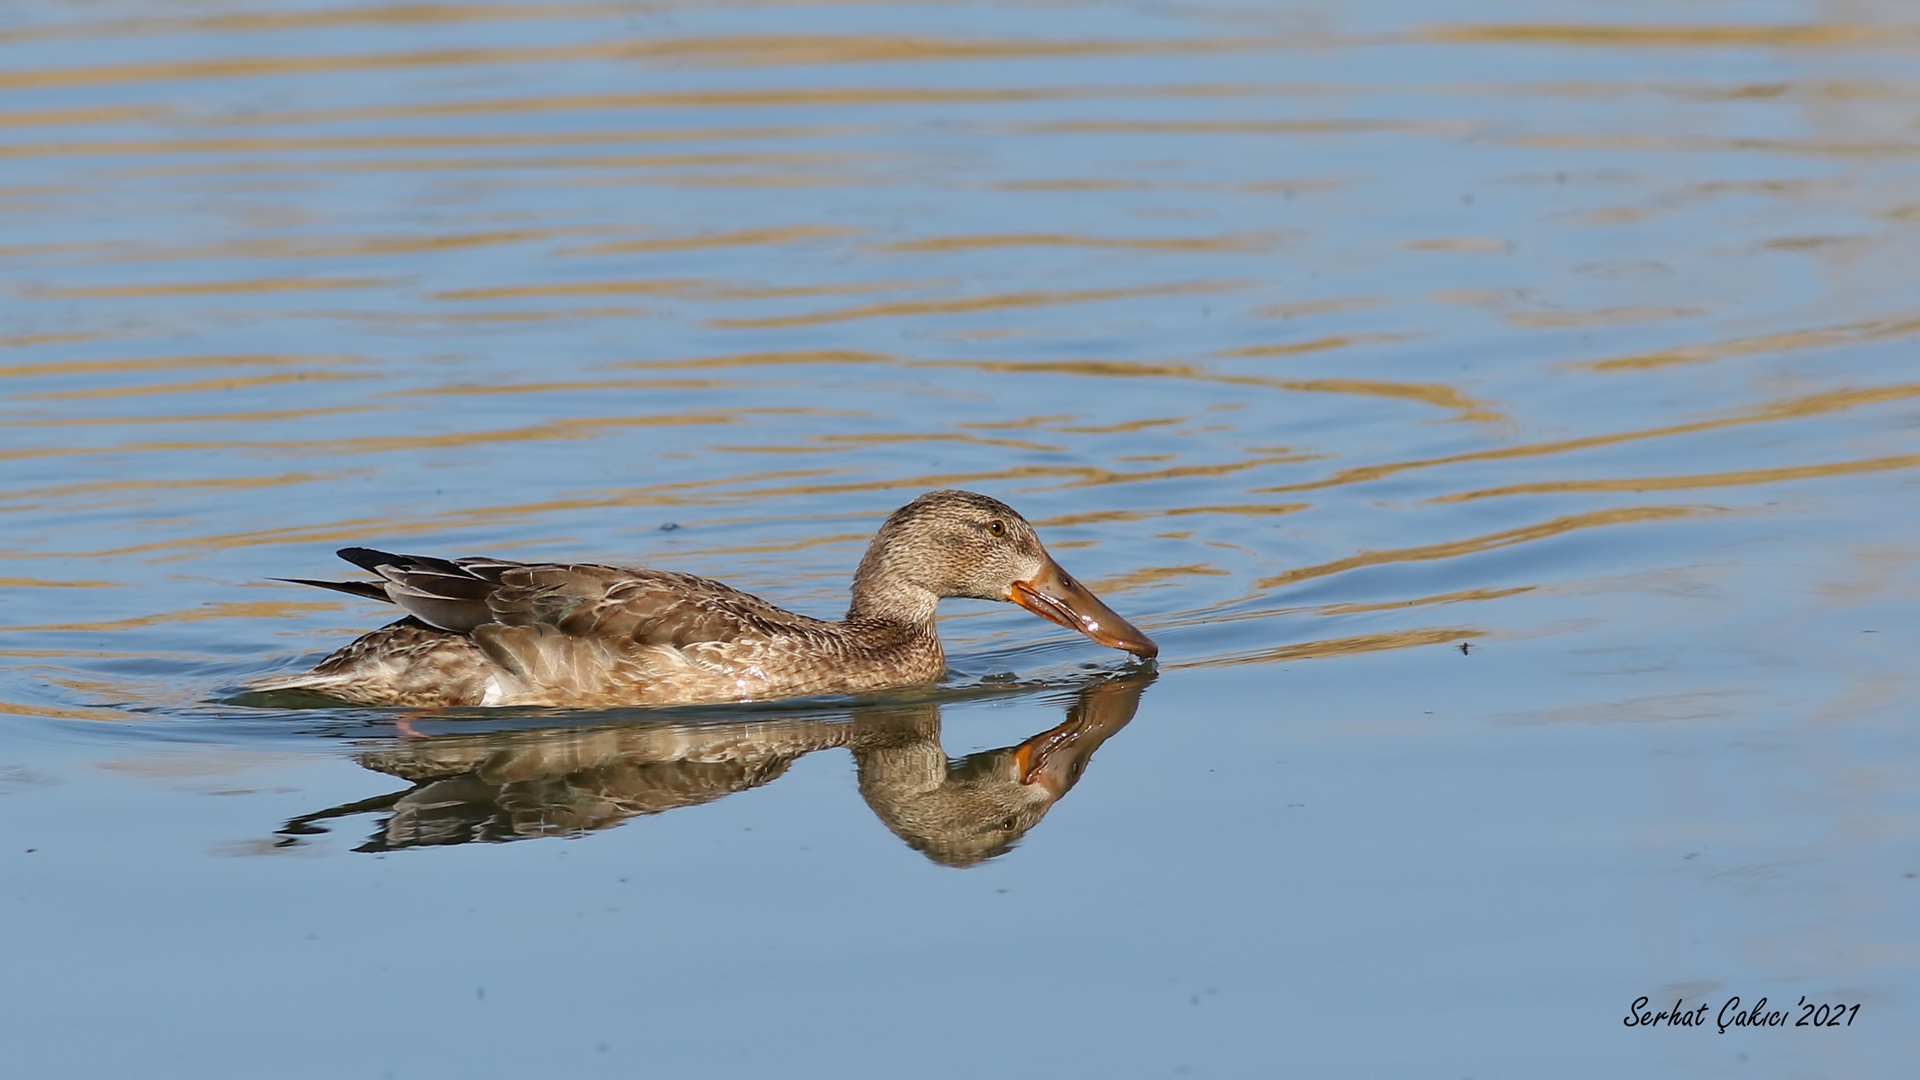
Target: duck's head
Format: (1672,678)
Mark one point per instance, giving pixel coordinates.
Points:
(957,543)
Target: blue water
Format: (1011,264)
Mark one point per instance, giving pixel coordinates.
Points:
(1501,414)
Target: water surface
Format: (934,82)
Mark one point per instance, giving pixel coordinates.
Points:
(1502,414)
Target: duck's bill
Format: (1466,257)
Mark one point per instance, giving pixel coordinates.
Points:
(1053,595)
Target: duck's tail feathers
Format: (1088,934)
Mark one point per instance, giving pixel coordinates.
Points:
(371,590)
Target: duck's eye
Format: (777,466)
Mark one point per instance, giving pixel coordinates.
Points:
(997,527)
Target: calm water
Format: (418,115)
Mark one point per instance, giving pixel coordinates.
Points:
(1504,415)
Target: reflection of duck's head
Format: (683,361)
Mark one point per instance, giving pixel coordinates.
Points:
(959,813)
(957,543)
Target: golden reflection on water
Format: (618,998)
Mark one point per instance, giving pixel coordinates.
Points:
(570,428)
(158,363)
(1463,596)
(992,302)
(140,491)
(42,583)
(199,288)
(57,712)
(399,14)
(714,50)
(1809,406)
(782,169)
(284,144)
(1809,36)
(1680,483)
(1349,646)
(1438,395)
(1491,541)
(1228,242)
(1295,348)
(251,609)
(1062,521)
(769,359)
(1887,328)
(732,238)
(196,386)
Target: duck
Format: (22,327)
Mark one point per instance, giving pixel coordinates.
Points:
(490,632)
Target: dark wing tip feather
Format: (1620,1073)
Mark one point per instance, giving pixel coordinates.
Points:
(368,589)
(439,592)
(373,560)
(368,559)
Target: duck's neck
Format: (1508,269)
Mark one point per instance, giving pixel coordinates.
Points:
(894,602)
(887,588)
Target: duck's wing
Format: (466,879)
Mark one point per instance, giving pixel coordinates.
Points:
(648,607)
(573,634)
(578,600)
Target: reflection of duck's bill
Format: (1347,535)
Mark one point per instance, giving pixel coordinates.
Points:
(1053,595)
(1031,759)
(1054,759)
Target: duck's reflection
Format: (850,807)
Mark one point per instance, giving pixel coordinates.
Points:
(512,785)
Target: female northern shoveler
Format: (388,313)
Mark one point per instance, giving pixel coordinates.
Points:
(489,632)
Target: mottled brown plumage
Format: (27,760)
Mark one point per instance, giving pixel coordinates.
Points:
(492,632)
